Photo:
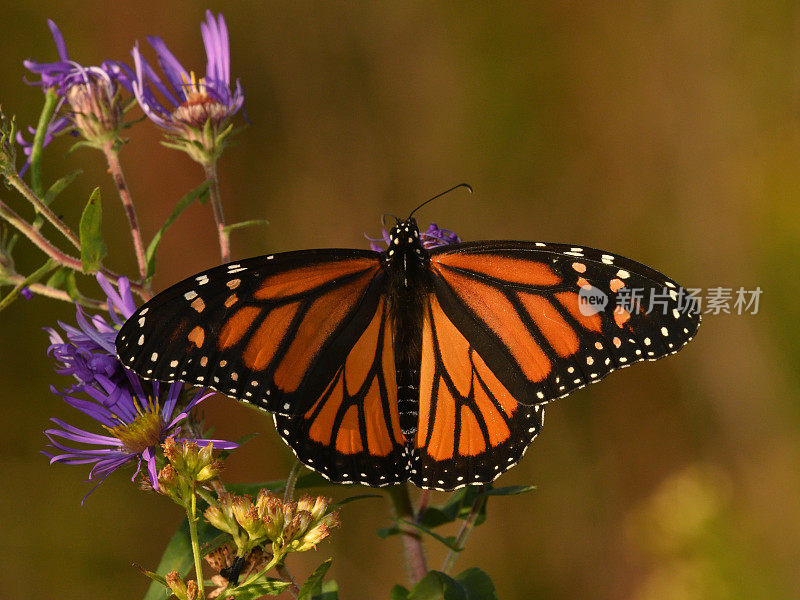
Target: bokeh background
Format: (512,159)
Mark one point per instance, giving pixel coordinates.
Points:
(665,131)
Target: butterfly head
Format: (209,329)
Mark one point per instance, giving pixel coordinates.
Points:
(404,242)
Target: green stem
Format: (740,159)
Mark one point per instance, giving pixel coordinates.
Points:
(191,514)
(466,529)
(15,180)
(50,101)
(416,564)
(288,493)
(115,168)
(212,177)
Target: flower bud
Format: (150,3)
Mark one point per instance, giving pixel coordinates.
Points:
(96,105)
(221,515)
(181,589)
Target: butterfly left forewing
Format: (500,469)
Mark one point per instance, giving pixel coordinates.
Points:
(524,307)
(270,331)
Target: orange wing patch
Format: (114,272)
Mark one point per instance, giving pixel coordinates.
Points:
(557,331)
(471,406)
(319,322)
(512,270)
(363,395)
(305,279)
(492,307)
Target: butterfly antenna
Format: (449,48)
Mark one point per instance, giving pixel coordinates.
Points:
(383,219)
(455,187)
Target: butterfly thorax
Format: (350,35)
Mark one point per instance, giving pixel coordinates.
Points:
(408,286)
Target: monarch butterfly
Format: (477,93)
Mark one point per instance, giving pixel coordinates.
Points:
(409,364)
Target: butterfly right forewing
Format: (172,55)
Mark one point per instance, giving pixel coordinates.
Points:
(270,331)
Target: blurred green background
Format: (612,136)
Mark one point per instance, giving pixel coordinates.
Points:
(666,131)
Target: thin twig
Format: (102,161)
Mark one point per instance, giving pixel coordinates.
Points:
(416,564)
(115,168)
(45,210)
(283,571)
(212,177)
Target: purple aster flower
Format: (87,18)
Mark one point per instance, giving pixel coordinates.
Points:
(89,353)
(91,93)
(136,420)
(137,415)
(194,111)
(433,237)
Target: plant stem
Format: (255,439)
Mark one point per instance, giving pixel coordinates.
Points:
(35,236)
(288,493)
(191,514)
(42,208)
(416,564)
(115,168)
(283,571)
(463,534)
(50,292)
(50,101)
(212,177)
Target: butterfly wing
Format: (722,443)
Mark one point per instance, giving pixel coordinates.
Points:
(352,432)
(271,331)
(524,308)
(470,428)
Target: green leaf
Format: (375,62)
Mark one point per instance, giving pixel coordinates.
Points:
(72,286)
(59,186)
(198,193)
(399,593)
(477,584)
(93,249)
(262,587)
(313,585)
(438,586)
(243,224)
(330,591)
(457,506)
(58,279)
(178,555)
(511,490)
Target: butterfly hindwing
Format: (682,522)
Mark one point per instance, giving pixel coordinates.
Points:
(270,331)
(351,434)
(523,306)
(470,428)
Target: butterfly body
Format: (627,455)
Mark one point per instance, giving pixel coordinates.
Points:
(429,365)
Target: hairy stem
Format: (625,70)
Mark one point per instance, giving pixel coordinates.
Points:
(416,564)
(43,209)
(50,102)
(212,177)
(115,168)
(463,534)
(191,514)
(36,237)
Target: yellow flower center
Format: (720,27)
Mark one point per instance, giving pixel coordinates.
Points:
(141,433)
